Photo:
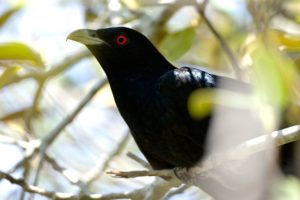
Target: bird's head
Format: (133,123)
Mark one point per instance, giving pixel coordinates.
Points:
(120,49)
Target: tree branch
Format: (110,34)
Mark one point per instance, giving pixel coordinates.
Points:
(157,189)
(242,151)
(57,69)
(165,174)
(49,139)
(235,64)
(35,105)
(139,160)
(96,173)
(57,130)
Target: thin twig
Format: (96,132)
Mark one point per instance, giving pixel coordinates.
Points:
(139,160)
(16,115)
(31,150)
(71,177)
(165,173)
(33,144)
(245,149)
(235,64)
(137,194)
(35,105)
(23,184)
(49,139)
(158,26)
(97,173)
(241,152)
(176,191)
(57,130)
(57,69)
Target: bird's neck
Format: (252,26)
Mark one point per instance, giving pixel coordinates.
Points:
(134,76)
(134,90)
(128,82)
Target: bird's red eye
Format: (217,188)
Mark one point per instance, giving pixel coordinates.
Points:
(121,40)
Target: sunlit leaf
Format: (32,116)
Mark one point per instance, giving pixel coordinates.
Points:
(8,74)
(90,15)
(202,101)
(7,15)
(132,4)
(286,41)
(20,53)
(293,8)
(175,45)
(288,188)
(274,74)
(185,17)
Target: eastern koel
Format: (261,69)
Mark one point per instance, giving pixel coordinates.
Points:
(151,95)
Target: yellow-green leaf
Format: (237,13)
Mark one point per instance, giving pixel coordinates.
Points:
(287,188)
(287,41)
(21,53)
(274,74)
(7,15)
(8,74)
(202,101)
(175,45)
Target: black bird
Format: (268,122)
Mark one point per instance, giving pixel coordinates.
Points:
(151,95)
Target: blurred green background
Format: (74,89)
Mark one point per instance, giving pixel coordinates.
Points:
(43,78)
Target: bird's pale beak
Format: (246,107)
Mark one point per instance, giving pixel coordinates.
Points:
(85,36)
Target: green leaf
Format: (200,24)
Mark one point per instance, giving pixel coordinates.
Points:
(287,41)
(274,74)
(202,101)
(175,45)
(287,188)
(7,14)
(19,53)
(8,74)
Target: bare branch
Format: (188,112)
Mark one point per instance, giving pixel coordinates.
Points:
(49,139)
(176,191)
(235,64)
(56,131)
(31,150)
(149,192)
(24,185)
(242,151)
(16,115)
(71,177)
(57,69)
(35,106)
(94,174)
(165,173)
(139,160)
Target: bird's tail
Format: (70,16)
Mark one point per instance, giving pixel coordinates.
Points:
(290,159)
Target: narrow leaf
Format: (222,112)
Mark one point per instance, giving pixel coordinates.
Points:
(7,15)
(8,74)
(20,53)
(177,44)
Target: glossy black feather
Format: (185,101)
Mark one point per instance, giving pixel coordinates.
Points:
(151,95)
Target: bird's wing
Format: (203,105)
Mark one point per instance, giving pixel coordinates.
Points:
(177,85)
